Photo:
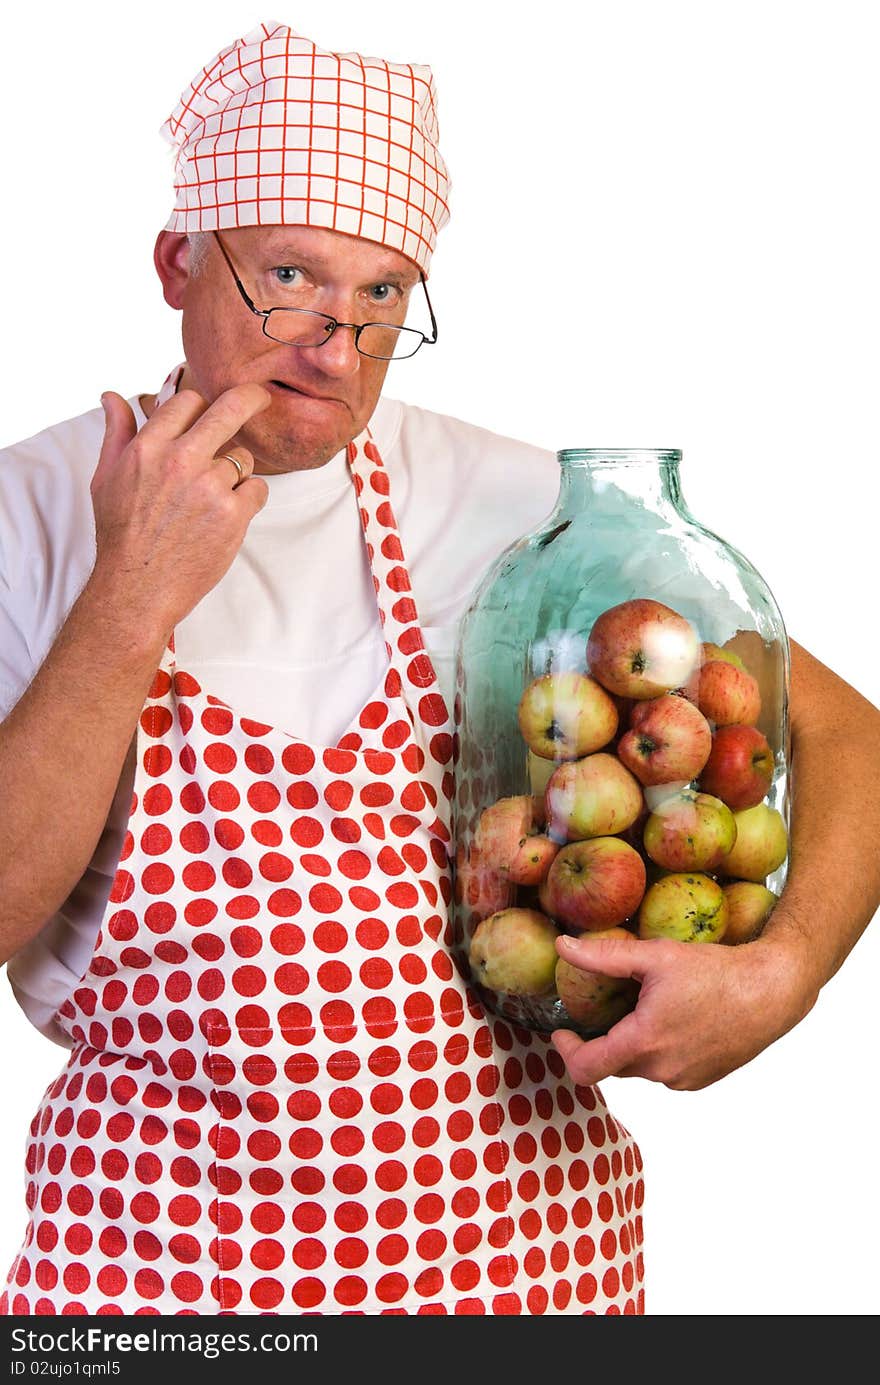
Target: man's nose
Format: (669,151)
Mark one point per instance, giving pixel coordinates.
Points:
(338,355)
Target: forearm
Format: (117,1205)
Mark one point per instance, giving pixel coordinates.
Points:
(833,887)
(62,749)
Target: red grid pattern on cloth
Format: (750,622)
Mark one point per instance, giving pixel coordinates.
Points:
(275,131)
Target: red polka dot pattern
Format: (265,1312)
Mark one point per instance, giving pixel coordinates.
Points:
(281,1097)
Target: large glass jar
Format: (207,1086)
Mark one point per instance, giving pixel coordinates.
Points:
(622,742)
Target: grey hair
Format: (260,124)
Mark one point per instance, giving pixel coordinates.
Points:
(198,251)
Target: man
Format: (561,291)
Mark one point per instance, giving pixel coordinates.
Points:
(278,1098)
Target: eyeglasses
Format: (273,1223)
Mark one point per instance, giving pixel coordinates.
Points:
(301,327)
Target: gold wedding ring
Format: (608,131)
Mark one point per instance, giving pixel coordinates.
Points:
(227,456)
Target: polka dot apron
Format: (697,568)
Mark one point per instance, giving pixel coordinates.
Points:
(282,1097)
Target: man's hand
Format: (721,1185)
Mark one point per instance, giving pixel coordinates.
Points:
(703,1010)
(169,516)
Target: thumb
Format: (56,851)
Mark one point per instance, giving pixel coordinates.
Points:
(119,429)
(619,956)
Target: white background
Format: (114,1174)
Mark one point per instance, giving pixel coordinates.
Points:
(672,207)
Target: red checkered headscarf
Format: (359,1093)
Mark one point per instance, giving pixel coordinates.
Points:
(275,131)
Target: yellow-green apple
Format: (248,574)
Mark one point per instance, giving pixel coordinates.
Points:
(595,1002)
(642,648)
(728,694)
(504,826)
(739,769)
(563,716)
(669,740)
(749,906)
(594,884)
(480,889)
(717,651)
(533,859)
(761,844)
(689,907)
(593,797)
(689,831)
(515,951)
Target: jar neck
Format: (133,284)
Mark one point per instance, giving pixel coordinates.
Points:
(614,480)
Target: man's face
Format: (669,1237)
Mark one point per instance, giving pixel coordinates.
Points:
(321,397)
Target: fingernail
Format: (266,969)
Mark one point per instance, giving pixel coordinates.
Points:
(569,941)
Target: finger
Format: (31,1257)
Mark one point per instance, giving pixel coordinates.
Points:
(610,956)
(230,411)
(119,429)
(173,418)
(592,1060)
(252,494)
(179,414)
(237,474)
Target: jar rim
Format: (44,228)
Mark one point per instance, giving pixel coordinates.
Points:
(664,456)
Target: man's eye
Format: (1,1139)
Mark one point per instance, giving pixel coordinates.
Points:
(287,275)
(382,293)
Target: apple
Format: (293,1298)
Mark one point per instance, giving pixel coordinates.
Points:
(740,766)
(478,888)
(689,907)
(642,648)
(728,694)
(563,716)
(515,950)
(504,826)
(593,797)
(532,860)
(592,1001)
(594,884)
(669,740)
(717,651)
(761,844)
(749,906)
(690,832)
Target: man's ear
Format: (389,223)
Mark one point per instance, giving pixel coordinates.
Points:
(171,258)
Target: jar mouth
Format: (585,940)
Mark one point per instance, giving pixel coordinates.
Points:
(589,456)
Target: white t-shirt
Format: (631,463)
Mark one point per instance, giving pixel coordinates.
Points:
(291,633)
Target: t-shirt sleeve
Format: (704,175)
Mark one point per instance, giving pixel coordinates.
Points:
(46,554)
(20,561)
(463,495)
(16,665)
(46,544)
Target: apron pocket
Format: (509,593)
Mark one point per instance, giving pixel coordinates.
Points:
(354,1179)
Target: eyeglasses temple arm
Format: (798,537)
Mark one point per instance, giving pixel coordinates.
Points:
(430,310)
(240,286)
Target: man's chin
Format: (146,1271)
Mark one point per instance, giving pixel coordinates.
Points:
(294,447)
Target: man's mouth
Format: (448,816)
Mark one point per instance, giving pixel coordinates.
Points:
(304,394)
